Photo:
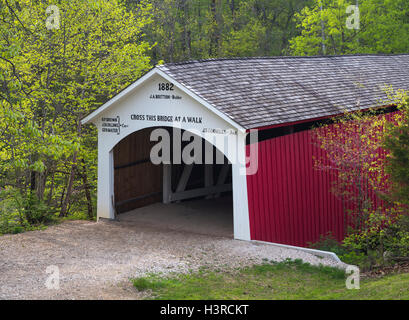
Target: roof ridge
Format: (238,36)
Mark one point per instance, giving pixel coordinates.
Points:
(283,57)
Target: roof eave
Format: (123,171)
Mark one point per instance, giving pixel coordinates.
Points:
(331,116)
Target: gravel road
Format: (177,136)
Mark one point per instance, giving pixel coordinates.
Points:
(96,260)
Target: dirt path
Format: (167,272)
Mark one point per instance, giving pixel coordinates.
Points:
(96,260)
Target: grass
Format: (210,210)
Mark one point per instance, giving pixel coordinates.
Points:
(292,280)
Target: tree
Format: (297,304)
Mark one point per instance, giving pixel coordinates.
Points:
(383,27)
(352,151)
(52,75)
(397,143)
(261,27)
(200,29)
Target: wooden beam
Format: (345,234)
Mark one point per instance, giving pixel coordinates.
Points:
(167,183)
(187,171)
(200,192)
(132,164)
(208,177)
(222,177)
(145,196)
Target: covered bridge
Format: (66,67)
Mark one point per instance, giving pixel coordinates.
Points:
(277,194)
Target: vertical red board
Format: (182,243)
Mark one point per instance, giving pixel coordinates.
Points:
(290,201)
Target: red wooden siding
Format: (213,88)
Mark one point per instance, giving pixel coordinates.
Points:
(290,201)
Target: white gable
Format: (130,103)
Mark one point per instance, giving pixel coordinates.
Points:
(147,95)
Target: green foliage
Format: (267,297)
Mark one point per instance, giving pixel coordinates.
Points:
(19,212)
(11,220)
(382,239)
(51,79)
(370,235)
(329,243)
(396,238)
(383,28)
(397,143)
(376,235)
(356,258)
(200,29)
(351,147)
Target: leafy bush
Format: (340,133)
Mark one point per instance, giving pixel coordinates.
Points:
(355,258)
(10,222)
(382,240)
(397,237)
(36,211)
(19,212)
(385,234)
(329,243)
(371,234)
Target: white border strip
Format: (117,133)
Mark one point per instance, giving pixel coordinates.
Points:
(315,252)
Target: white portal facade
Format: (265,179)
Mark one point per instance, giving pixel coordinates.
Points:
(156,100)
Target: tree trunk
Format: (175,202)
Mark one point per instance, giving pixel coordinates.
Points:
(33,181)
(214,36)
(87,190)
(67,199)
(50,194)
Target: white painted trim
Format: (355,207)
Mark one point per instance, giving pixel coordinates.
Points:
(164,75)
(105,208)
(111,184)
(241,221)
(315,252)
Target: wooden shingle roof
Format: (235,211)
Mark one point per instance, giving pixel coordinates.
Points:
(257,92)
